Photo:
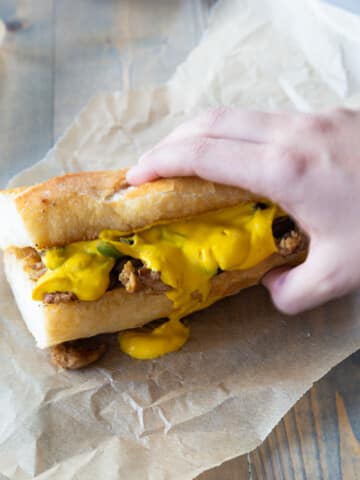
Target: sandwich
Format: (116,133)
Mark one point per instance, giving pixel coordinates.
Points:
(86,254)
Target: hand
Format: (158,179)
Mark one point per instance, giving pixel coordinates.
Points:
(308,164)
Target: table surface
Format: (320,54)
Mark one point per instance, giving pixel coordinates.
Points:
(57,54)
(317,440)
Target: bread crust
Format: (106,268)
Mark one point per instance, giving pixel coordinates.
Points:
(79,206)
(119,310)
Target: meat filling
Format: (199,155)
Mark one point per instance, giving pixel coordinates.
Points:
(291,243)
(132,275)
(77,353)
(128,277)
(32,262)
(59,297)
(152,280)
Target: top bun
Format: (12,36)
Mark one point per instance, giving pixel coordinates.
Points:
(78,206)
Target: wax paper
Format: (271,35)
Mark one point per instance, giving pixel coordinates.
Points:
(245,364)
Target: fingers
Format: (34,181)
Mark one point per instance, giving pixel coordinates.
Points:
(141,174)
(234,124)
(219,123)
(301,288)
(268,170)
(223,161)
(289,289)
(213,159)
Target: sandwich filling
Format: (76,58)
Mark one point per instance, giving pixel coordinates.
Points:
(180,257)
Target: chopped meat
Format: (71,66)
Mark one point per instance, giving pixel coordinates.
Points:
(32,262)
(28,254)
(152,280)
(128,277)
(288,238)
(36,270)
(77,353)
(59,297)
(291,242)
(196,295)
(117,269)
(134,276)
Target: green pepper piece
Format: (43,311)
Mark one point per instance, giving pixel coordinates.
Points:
(108,250)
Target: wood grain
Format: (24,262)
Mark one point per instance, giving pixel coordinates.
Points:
(322,431)
(66,51)
(319,438)
(122,45)
(26,85)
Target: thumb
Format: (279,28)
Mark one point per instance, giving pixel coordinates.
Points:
(301,288)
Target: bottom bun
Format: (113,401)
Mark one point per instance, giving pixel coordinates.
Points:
(117,310)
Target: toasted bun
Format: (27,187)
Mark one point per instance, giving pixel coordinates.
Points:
(79,206)
(117,310)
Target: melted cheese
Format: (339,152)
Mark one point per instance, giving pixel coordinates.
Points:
(144,344)
(187,254)
(78,268)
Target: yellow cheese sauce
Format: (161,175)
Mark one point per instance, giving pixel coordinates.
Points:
(78,268)
(144,345)
(187,253)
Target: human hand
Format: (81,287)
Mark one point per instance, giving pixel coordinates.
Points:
(307,164)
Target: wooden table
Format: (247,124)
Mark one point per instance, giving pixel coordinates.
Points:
(317,440)
(58,53)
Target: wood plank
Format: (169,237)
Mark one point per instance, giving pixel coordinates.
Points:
(237,469)
(47,74)
(349,444)
(319,437)
(26,85)
(107,46)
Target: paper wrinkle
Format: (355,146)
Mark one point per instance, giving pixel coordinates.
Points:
(245,364)
(339,19)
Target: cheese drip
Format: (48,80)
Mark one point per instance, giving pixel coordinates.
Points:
(187,253)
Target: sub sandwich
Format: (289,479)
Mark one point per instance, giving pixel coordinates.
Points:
(86,254)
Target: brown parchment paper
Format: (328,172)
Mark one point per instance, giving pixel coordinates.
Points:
(245,364)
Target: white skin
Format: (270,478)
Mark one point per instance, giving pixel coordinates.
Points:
(307,164)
